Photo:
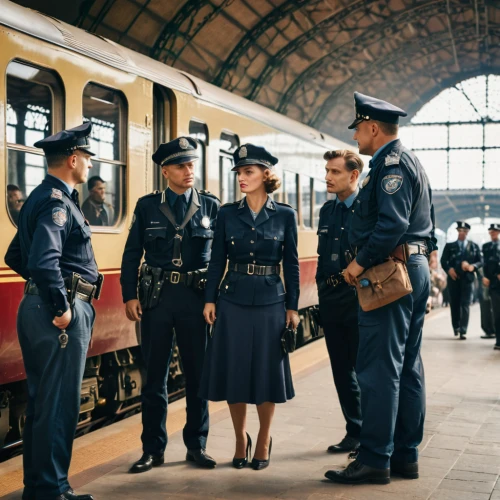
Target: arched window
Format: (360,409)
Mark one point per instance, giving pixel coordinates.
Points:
(456,135)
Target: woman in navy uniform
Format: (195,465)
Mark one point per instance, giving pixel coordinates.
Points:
(245,363)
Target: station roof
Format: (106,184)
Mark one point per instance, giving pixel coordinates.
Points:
(305,58)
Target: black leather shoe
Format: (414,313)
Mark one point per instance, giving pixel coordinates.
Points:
(201,458)
(496,347)
(239,463)
(147,462)
(358,473)
(71,495)
(262,464)
(463,336)
(345,446)
(404,469)
(456,332)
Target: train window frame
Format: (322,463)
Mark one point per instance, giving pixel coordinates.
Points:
(287,173)
(202,146)
(122,162)
(162,129)
(306,178)
(227,155)
(315,219)
(58,101)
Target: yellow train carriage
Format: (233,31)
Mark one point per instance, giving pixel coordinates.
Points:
(55,76)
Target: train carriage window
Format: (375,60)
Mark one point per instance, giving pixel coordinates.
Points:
(103,194)
(35,103)
(199,132)
(290,189)
(161,130)
(320,197)
(306,201)
(229,144)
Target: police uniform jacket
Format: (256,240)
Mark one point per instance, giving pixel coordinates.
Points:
(268,240)
(394,206)
(153,233)
(453,257)
(491,256)
(52,242)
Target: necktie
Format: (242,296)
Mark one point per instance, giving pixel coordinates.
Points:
(180,208)
(74,197)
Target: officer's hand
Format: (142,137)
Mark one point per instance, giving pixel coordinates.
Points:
(486,282)
(352,271)
(465,265)
(471,268)
(63,321)
(209,313)
(292,319)
(452,273)
(133,310)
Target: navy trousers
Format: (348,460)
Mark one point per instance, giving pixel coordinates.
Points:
(495,303)
(391,374)
(180,308)
(339,317)
(460,298)
(54,377)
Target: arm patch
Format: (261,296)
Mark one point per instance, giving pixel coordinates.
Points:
(59,216)
(392,183)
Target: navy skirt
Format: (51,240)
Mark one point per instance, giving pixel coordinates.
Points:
(244,362)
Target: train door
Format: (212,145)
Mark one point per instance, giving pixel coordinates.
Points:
(228,144)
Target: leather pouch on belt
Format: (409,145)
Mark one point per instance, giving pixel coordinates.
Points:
(383,284)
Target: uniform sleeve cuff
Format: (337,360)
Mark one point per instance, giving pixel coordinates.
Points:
(129,293)
(363,260)
(58,301)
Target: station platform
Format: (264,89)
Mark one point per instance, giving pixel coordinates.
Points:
(459,457)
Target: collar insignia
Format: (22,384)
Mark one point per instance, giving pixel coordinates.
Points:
(56,193)
(366,180)
(392,159)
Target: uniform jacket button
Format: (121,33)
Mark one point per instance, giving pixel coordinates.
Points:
(275,237)
(253,229)
(251,241)
(251,253)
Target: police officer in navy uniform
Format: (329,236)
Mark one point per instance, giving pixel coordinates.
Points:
(175,229)
(245,361)
(338,302)
(460,260)
(491,256)
(392,215)
(53,252)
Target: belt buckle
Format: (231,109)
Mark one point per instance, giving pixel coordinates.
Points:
(252,267)
(175,277)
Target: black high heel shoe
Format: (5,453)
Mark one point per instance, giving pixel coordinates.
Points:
(262,464)
(239,463)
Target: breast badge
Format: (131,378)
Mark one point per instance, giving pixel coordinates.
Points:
(392,183)
(59,216)
(205,221)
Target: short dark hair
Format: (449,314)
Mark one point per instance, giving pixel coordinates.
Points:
(352,160)
(12,188)
(93,181)
(388,128)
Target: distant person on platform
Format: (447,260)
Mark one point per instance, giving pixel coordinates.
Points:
(95,208)
(15,201)
(491,280)
(461,259)
(338,302)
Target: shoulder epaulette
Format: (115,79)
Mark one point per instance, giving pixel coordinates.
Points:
(204,192)
(283,204)
(154,193)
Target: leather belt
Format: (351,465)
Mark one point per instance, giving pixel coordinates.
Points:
(175,278)
(335,280)
(254,269)
(84,291)
(403,252)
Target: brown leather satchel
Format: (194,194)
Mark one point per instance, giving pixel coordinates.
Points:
(382,284)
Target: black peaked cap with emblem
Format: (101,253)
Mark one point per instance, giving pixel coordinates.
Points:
(494,227)
(462,225)
(67,141)
(371,108)
(180,150)
(248,154)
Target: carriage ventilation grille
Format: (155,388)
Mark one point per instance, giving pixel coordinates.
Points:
(88,47)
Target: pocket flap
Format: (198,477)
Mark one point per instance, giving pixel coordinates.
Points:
(152,233)
(277,234)
(234,234)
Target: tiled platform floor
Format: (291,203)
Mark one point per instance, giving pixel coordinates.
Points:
(460,455)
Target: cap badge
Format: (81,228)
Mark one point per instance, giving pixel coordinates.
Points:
(243,152)
(56,193)
(392,159)
(365,181)
(205,221)
(183,143)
